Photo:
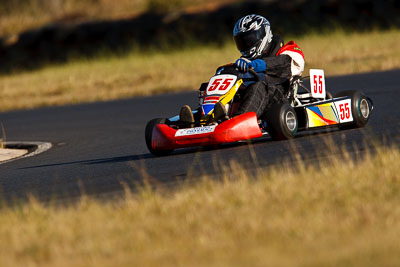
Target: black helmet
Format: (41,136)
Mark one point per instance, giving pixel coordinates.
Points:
(252,35)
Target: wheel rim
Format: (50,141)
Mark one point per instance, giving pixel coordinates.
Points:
(291,121)
(364,108)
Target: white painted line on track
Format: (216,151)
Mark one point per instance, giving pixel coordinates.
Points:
(7,154)
(40,148)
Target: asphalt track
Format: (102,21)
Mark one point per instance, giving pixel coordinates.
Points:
(99,148)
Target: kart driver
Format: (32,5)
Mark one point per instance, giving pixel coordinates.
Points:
(267,55)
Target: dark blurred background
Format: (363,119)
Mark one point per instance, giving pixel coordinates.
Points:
(77,30)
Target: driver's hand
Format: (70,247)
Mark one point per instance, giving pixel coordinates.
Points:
(243,64)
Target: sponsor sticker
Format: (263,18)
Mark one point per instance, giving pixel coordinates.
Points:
(194,131)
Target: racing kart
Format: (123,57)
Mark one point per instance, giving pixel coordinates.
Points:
(304,109)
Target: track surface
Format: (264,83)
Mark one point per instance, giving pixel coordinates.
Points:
(98,147)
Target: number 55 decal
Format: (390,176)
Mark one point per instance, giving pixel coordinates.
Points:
(317,83)
(224,84)
(221,84)
(344,109)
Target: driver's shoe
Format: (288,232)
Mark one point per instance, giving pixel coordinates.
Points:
(186,116)
(220,112)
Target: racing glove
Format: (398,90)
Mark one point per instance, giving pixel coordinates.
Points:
(244,64)
(258,65)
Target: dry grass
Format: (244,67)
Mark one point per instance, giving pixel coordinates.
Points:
(344,214)
(19,15)
(154,72)
(341,53)
(112,78)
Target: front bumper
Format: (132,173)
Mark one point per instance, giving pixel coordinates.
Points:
(242,127)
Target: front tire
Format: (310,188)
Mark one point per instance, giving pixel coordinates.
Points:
(282,121)
(149,137)
(361,108)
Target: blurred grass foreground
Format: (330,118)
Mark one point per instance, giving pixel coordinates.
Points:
(344,213)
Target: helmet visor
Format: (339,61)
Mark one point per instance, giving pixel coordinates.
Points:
(247,40)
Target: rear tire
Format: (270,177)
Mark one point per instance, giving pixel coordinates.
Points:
(282,121)
(149,137)
(361,108)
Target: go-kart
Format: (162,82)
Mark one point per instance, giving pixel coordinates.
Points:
(304,109)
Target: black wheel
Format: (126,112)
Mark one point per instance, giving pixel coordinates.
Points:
(149,137)
(361,108)
(282,121)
